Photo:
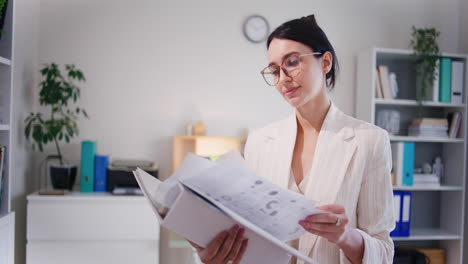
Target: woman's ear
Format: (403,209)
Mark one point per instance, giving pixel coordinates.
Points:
(327,62)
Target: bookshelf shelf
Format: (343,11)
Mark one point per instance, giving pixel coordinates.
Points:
(428,234)
(426,139)
(5,61)
(407,102)
(437,212)
(428,188)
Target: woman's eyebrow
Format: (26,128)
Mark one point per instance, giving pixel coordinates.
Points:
(284,57)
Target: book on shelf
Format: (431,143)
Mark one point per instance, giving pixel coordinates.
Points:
(378,87)
(445,80)
(385,81)
(458,69)
(429,127)
(454,119)
(203,198)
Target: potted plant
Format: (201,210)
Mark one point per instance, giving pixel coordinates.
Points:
(426,49)
(57,92)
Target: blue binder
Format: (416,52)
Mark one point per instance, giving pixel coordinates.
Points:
(408,163)
(88,151)
(397,205)
(405,214)
(100,173)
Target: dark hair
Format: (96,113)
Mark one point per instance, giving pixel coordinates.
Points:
(306,31)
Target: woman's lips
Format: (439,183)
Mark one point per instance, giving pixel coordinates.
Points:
(290,91)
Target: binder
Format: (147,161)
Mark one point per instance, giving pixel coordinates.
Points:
(408,163)
(403,162)
(397,160)
(458,68)
(445,80)
(100,173)
(88,152)
(397,207)
(405,222)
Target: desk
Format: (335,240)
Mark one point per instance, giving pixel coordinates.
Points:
(91,228)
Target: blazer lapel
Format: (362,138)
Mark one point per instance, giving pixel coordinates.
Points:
(282,142)
(335,149)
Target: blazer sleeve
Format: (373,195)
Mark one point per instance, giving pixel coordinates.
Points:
(375,210)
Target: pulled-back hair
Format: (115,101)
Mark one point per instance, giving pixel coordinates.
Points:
(306,31)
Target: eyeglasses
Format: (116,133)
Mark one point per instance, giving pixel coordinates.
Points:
(291,66)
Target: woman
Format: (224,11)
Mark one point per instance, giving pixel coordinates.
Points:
(342,163)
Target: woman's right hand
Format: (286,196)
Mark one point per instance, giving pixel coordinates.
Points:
(228,247)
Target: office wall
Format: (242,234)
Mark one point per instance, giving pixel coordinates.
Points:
(24,63)
(154,66)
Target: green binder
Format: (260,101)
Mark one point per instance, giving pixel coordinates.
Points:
(88,151)
(445,80)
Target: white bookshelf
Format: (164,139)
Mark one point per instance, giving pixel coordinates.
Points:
(418,234)
(406,102)
(7,217)
(427,139)
(428,188)
(437,215)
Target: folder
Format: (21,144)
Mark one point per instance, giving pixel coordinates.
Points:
(403,162)
(100,173)
(445,80)
(408,163)
(405,214)
(88,152)
(397,162)
(458,68)
(397,207)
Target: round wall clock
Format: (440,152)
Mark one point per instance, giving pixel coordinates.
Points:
(256,28)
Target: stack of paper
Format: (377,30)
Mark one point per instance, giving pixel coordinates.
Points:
(426,179)
(203,198)
(429,127)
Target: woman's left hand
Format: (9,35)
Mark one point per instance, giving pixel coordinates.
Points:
(331,225)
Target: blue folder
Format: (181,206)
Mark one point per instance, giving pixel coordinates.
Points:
(100,173)
(88,151)
(397,197)
(408,163)
(406,202)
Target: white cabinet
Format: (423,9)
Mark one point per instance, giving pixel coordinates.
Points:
(7,235)
(437,214)
(7,217)
(91,228)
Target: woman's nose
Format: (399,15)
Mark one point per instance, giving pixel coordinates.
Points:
(284,76)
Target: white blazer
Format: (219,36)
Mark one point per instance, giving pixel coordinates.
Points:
(351,167)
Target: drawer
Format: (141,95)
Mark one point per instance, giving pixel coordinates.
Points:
(90,218)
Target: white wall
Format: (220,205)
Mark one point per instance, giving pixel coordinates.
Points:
(25,68)
(153,66)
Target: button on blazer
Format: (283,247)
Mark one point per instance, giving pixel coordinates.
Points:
(351,167)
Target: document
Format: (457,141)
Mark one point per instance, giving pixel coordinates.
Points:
(203,198)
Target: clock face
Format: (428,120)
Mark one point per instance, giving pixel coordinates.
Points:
(256,28)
